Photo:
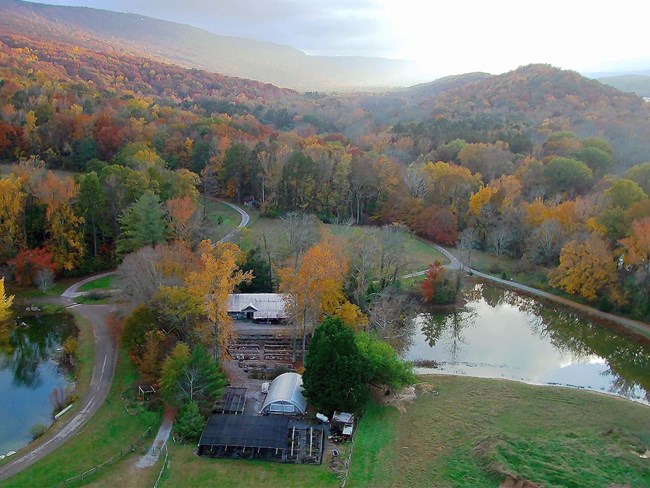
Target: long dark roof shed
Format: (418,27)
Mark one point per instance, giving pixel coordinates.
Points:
(245,431)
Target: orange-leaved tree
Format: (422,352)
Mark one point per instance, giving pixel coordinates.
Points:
(217,276)
(432,278)
(637,245)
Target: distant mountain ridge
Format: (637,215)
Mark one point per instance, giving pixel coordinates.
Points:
(189,46)
(639,84)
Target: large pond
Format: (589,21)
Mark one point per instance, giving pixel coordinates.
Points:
(29,374)
(501,334)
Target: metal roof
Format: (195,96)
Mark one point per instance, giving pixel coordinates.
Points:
(287,389)
(245,431)
(264,305)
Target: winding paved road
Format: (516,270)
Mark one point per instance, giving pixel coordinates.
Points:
(100,383)
(102,377)
(244,220)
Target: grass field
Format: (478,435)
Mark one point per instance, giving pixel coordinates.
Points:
(189,470)
(104,283)
(475,431)
(419,253)
(109,431)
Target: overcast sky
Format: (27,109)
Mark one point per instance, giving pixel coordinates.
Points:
(443,37)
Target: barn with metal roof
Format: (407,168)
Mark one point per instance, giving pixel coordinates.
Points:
(285,396)
(267,307)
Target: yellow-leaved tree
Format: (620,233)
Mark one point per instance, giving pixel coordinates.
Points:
(65,237)
(588,268)
(12,206)
(217,276)
(315,289)
(5,302)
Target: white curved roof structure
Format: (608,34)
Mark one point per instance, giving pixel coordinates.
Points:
(285,396)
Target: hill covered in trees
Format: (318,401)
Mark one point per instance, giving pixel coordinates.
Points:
(192,47)
(538,164)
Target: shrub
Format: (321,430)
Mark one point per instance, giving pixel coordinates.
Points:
(37,430)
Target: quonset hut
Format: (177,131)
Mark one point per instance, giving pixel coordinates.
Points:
(285,396)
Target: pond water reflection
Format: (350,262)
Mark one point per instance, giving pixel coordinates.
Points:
(501,334)
(29,374)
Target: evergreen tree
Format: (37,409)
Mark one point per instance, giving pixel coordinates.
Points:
(335,376)
(191,377)
(143,224)
(190,422)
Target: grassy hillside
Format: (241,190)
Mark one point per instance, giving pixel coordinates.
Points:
(475,432)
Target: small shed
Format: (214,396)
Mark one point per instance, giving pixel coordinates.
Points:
(285,396)
(343,423)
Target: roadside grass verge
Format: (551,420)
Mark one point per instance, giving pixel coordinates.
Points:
(222,219)
(104,283)
(476,431)
(94,298)
(186,469)
(57,288)
(110,430)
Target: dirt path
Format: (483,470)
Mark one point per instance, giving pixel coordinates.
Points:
(100,385)
(159,442)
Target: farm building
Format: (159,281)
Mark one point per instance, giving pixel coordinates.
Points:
(285,396)
(270,438)
(260,307)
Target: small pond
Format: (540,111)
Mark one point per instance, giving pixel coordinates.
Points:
(29,374)
(502,334)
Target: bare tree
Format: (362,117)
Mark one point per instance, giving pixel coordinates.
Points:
(44,279)
(466,242)
(499,239)
(301,231)
(391,317)
(392,254)
(139,275)
(414,179)
(363,250)
(545,242)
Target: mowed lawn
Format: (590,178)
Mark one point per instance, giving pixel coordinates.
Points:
(104,283)
(475,431)
(221,217)
(188,470)
(419,253)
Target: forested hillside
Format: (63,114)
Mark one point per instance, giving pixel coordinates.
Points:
(191,47)
(539,164)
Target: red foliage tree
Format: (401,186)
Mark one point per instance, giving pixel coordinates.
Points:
(439,224)
(433,277)
(28,263)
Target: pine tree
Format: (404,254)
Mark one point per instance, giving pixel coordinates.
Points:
(334,377)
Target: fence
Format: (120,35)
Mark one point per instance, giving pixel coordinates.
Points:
(165,466)
(123,452)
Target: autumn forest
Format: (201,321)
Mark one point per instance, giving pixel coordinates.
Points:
(110,153)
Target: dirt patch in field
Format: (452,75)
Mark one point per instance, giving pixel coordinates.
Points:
(394,398)
(511,482)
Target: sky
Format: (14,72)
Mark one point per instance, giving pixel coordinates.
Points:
(441,37)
